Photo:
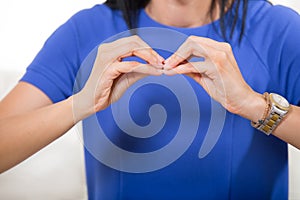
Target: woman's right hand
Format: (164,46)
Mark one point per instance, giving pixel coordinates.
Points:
(111,77)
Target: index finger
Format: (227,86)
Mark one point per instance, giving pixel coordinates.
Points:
(189,48)
(135,46)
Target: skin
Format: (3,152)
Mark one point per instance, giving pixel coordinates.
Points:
(195,12)
(24,130)
(220,76)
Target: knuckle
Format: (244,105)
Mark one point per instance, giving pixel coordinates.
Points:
(136,40)
(191,40)
(222,55)
(227,47)
(133,46)
(192,37)
(103,51)
(135,37)
(152,52)
(213,55)
(103,46)
(219,58)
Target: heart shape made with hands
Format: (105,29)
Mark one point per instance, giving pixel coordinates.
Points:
(217,71)
(210,63)
(213,66)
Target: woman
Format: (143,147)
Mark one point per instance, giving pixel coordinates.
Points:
(248,48)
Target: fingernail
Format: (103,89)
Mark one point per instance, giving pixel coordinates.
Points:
(160,64)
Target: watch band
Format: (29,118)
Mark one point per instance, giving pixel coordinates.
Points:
(270,123)
(273,115)
(266,112)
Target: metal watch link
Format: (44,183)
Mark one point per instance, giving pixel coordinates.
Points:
(279,107)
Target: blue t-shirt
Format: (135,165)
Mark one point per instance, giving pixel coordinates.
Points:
(166,138)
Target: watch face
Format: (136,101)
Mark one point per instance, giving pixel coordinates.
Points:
(280,101)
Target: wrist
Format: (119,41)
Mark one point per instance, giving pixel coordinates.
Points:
(81,107)
(254,108)
(278,107)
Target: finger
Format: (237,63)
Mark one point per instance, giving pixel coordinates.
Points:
(181,69)
(148,70)
(147,54)
(190,67)
(199,79)
(132,66)
(222,47)
(186,50)
(123,83)
(135,46)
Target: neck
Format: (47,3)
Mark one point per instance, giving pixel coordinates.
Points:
(181,13)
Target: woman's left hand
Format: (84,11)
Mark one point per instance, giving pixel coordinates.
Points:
(218,74)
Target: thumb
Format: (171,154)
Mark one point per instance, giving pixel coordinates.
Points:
(123,82)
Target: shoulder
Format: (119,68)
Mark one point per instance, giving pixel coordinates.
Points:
(272,29)
(273,32)
(263,17)
(99,13)
(90,27)
(95,11)
(98,21)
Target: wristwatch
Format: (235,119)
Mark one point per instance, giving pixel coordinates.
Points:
(278,109)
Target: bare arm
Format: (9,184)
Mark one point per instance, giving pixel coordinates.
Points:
(220,76)
(29,120)
(289,128)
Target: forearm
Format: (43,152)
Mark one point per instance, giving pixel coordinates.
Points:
(23,135)
(289,128)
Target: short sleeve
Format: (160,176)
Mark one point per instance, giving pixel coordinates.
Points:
(287,44)
(54,68)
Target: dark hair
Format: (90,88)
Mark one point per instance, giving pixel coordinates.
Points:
(130,10)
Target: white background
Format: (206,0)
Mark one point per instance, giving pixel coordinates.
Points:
(57,172)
